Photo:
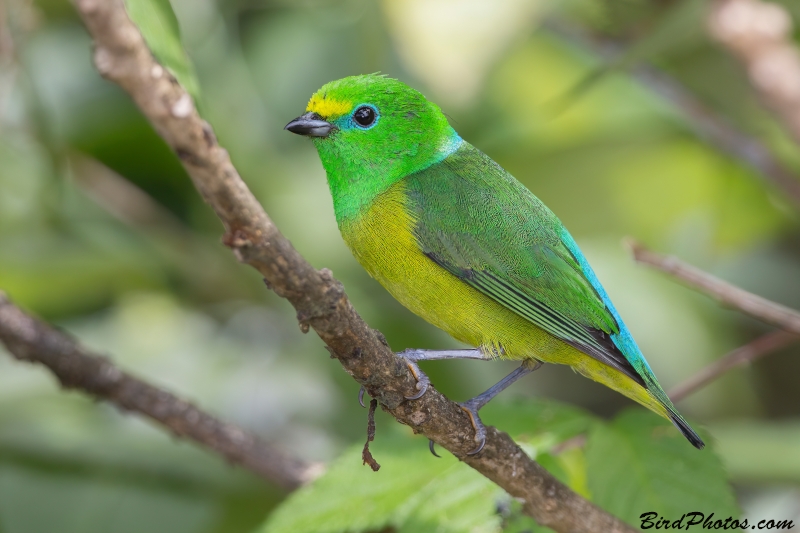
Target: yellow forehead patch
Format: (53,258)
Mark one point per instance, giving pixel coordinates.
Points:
(328,107)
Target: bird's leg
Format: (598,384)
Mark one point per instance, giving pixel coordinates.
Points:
(474,405)
(411,356)
(415,354)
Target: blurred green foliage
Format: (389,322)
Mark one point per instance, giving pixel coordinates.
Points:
(635,464)
(102,233)
(638,464)
(416,492)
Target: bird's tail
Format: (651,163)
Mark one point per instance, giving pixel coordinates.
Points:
(684,427)
(675,417)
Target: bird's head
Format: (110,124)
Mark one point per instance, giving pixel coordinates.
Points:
(371,131)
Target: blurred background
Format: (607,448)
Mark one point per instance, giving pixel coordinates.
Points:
(102,233)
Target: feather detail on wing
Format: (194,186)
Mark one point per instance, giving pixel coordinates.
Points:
(593,342)
(477,222)
(480,224)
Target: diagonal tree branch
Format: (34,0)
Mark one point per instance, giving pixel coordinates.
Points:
(773,313)
(29,339)
(704,121)
(718,132)
(122,57)
(725,293)
(743,355)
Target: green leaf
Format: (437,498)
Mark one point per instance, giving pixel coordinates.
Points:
(537,423)
(416,492)
(413,490)
(458,500)
(639,463)
(160,30)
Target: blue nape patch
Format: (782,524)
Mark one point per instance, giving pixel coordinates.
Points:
(449,145)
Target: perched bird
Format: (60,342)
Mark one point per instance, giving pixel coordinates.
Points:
(461,243)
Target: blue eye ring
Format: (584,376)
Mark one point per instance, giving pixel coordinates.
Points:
(365,116)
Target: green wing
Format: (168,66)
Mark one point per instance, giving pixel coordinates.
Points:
(478,222)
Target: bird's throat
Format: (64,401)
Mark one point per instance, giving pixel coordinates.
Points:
(356,178)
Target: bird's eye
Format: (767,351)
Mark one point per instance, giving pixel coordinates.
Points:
(364,116)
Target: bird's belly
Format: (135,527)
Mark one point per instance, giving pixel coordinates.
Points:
(382,240)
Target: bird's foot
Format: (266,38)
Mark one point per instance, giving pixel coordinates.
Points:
(411,357)
(432,448)
(471,407)
(361,392)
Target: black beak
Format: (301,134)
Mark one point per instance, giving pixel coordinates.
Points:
(310,125)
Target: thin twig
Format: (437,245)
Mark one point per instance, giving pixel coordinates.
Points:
(122,57)
(743,355)
(756,306)
(761,347)
(31,340)
(366,455)
(704,121)
(727,294)
(759,34)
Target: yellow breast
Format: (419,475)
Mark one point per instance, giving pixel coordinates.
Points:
(382,240)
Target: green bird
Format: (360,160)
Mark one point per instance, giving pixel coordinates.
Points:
(461,243)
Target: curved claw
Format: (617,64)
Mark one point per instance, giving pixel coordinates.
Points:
(477,424)
(478,450)
(419,375)
(422,387)
(432,448)
(361,397)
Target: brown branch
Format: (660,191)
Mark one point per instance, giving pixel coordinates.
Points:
(122,56)
(727,294)
(759,34)
(747,302)
(743,355)
(31,340)
(718,132)
(708,125)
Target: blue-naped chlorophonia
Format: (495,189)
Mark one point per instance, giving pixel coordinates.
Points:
(461,243)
